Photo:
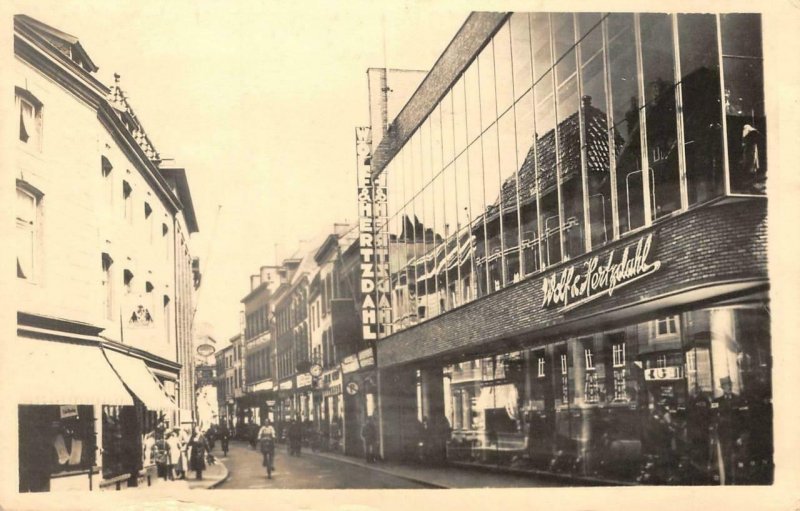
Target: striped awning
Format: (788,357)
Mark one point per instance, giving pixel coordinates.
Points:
(138,378)
(62,373)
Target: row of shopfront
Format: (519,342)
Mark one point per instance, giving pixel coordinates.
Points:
(331,407)
(92,411)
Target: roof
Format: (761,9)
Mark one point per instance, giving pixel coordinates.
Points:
(67,44)
(181,187)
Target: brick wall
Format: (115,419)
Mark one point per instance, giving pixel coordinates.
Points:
(713,243)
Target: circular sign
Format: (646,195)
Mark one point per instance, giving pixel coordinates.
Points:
(352,388)
(315,370)
(205,350)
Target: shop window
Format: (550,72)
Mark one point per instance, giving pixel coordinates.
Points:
(702,106)
(743,76)
(28,226)
(661,361)
(30,118)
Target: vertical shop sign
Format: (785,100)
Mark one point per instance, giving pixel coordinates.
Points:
(376,310)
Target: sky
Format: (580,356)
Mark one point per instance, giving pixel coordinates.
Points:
(259,102)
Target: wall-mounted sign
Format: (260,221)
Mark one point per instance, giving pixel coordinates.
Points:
(350,364)
(663,373)
(205,350)
(352,388)
(580,284)
(373,211)
(67,411)
(303,380)
(286,385)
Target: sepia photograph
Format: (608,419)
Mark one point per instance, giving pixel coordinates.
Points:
(375,246)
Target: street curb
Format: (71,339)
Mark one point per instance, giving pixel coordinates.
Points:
(555,476)
(344,459)
(220,481)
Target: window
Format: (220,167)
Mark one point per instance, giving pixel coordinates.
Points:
(30,118)
(563,363)
(167,322)
(164,232)
(127,280)
(28,201)
(661,361)
(589,358)
(148,216)
(666,326)
(108,287)
(127,201)
(540,365)
(618,354)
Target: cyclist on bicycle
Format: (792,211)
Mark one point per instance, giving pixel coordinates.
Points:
(266,439)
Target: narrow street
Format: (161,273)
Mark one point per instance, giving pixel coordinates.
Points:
(306,471)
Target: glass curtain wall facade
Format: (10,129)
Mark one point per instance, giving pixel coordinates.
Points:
(567,132)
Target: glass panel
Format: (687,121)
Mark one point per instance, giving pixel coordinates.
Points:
(596,149)
(521,53)
(744,102)
(491,180)
(542,58)
(569,151)
(563,38)
(447,128)
(487,90)
(432,241)
(627,144)
(546,165)
(459,116)
(472,87)
(440,229)
(504,79)
(527,184)
(741,34)
(416,162)
(589,31)
(662,134)
(702,107)
(477,209)
(508,177)
(464,244)
(451,228)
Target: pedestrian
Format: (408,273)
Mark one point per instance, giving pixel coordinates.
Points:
(183,464)
(266,439)
(174,451)
(369,432)
(224,437)
(197,452)
(160,455)
(295,437)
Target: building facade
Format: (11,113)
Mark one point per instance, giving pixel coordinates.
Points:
(577,246)
(97,270)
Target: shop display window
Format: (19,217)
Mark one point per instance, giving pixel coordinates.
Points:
(54,441)
(626,404)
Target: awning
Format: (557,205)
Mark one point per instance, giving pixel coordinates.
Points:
(139,379)
(63,373)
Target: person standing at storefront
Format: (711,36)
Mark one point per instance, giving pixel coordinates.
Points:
(295,437)
(727,406)
(198,447)
(183,463)
(369,433)
(174,448)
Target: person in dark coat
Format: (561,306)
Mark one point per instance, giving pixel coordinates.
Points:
(295,437)
(198,447)
(369,432)
(224,437)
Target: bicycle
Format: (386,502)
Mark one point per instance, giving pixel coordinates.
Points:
(268,450)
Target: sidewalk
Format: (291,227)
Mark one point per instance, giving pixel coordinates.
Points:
(464,475)
(213,476)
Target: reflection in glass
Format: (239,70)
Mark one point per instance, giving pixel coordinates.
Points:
(491,182)
(595,138)
(508,174)
(744,103)
(521,53)
(546,165)
(624,103)
(702,107)
(504,79)
(569,152)
(662,134)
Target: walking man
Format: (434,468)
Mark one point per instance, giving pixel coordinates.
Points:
(369,432)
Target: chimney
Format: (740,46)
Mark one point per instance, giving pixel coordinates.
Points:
(255,281)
